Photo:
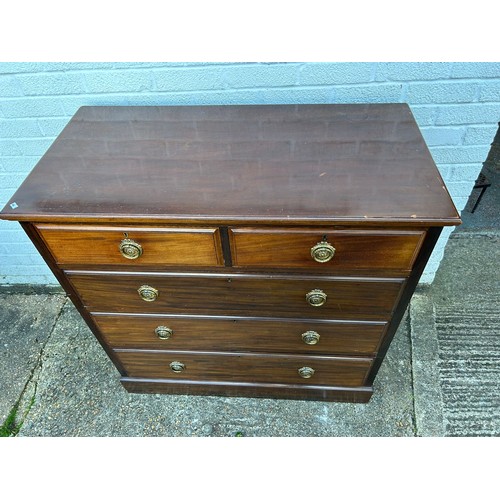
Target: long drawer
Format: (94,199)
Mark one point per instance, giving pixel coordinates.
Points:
(240,334)
(238,295)
(132,245)
(318,370)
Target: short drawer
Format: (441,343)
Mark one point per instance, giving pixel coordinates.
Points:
(345,250)
(133,246)
(240,334)
(237,295)
(252,368)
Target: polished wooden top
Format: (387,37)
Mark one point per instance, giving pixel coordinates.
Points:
(341,164)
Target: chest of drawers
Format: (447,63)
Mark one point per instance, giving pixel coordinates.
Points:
(263,251)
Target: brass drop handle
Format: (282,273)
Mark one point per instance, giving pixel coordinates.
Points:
(177,366)
(310,337)
(163,332)
(322,252)
(306,372)
(130,249)
(148,293)
(316,297)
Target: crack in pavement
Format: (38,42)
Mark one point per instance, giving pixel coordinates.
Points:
(27,397)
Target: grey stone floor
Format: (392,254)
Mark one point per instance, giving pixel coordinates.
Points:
(440,377)
(455,327)
(467,323)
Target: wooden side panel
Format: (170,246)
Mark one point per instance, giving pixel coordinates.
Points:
(354,250)
(252,295)
(350,372)
(96,245)
(240,334)
(406,294)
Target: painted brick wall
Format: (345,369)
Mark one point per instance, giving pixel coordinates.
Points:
(457,106)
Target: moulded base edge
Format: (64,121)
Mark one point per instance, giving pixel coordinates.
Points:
(242,389)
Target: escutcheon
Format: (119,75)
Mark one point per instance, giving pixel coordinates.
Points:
(177,366)
(322,252)
(163,332)
(306,372)
(316,297)
(130,249)
(310,337)
(148,293)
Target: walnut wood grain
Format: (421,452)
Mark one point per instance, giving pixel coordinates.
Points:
(354,250)
(349,372)
(324,163)
(245,295)
(241,334)
(94,245)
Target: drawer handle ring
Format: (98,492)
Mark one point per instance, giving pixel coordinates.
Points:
(310,337)
(177,366)
(130,249)
(148,293)
(316,297)
(306,372)
(322,252)
(163,332)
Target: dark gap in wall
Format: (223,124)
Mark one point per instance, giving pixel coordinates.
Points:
(486,215)
(493,160)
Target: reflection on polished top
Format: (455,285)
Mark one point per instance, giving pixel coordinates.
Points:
(290,163)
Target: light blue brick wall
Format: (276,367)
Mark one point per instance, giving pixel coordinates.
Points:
(457,106)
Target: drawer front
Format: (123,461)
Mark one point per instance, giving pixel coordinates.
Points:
(345,249)
(153,246)
(249,295)
(231,334)
(246,367)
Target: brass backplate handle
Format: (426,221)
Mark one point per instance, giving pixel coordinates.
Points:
(163,332)
(310,337)
(322,252)
(306,372)
(316,297)
(130,249)
(148,293)
(177,366)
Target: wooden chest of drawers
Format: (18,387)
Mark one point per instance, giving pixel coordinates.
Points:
(265,251)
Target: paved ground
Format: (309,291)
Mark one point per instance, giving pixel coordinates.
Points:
(455,329)
(440,377)
(468,332)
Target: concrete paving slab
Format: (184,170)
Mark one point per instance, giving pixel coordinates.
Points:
(425,354)
(466,297)
(26,321)
(78,394)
